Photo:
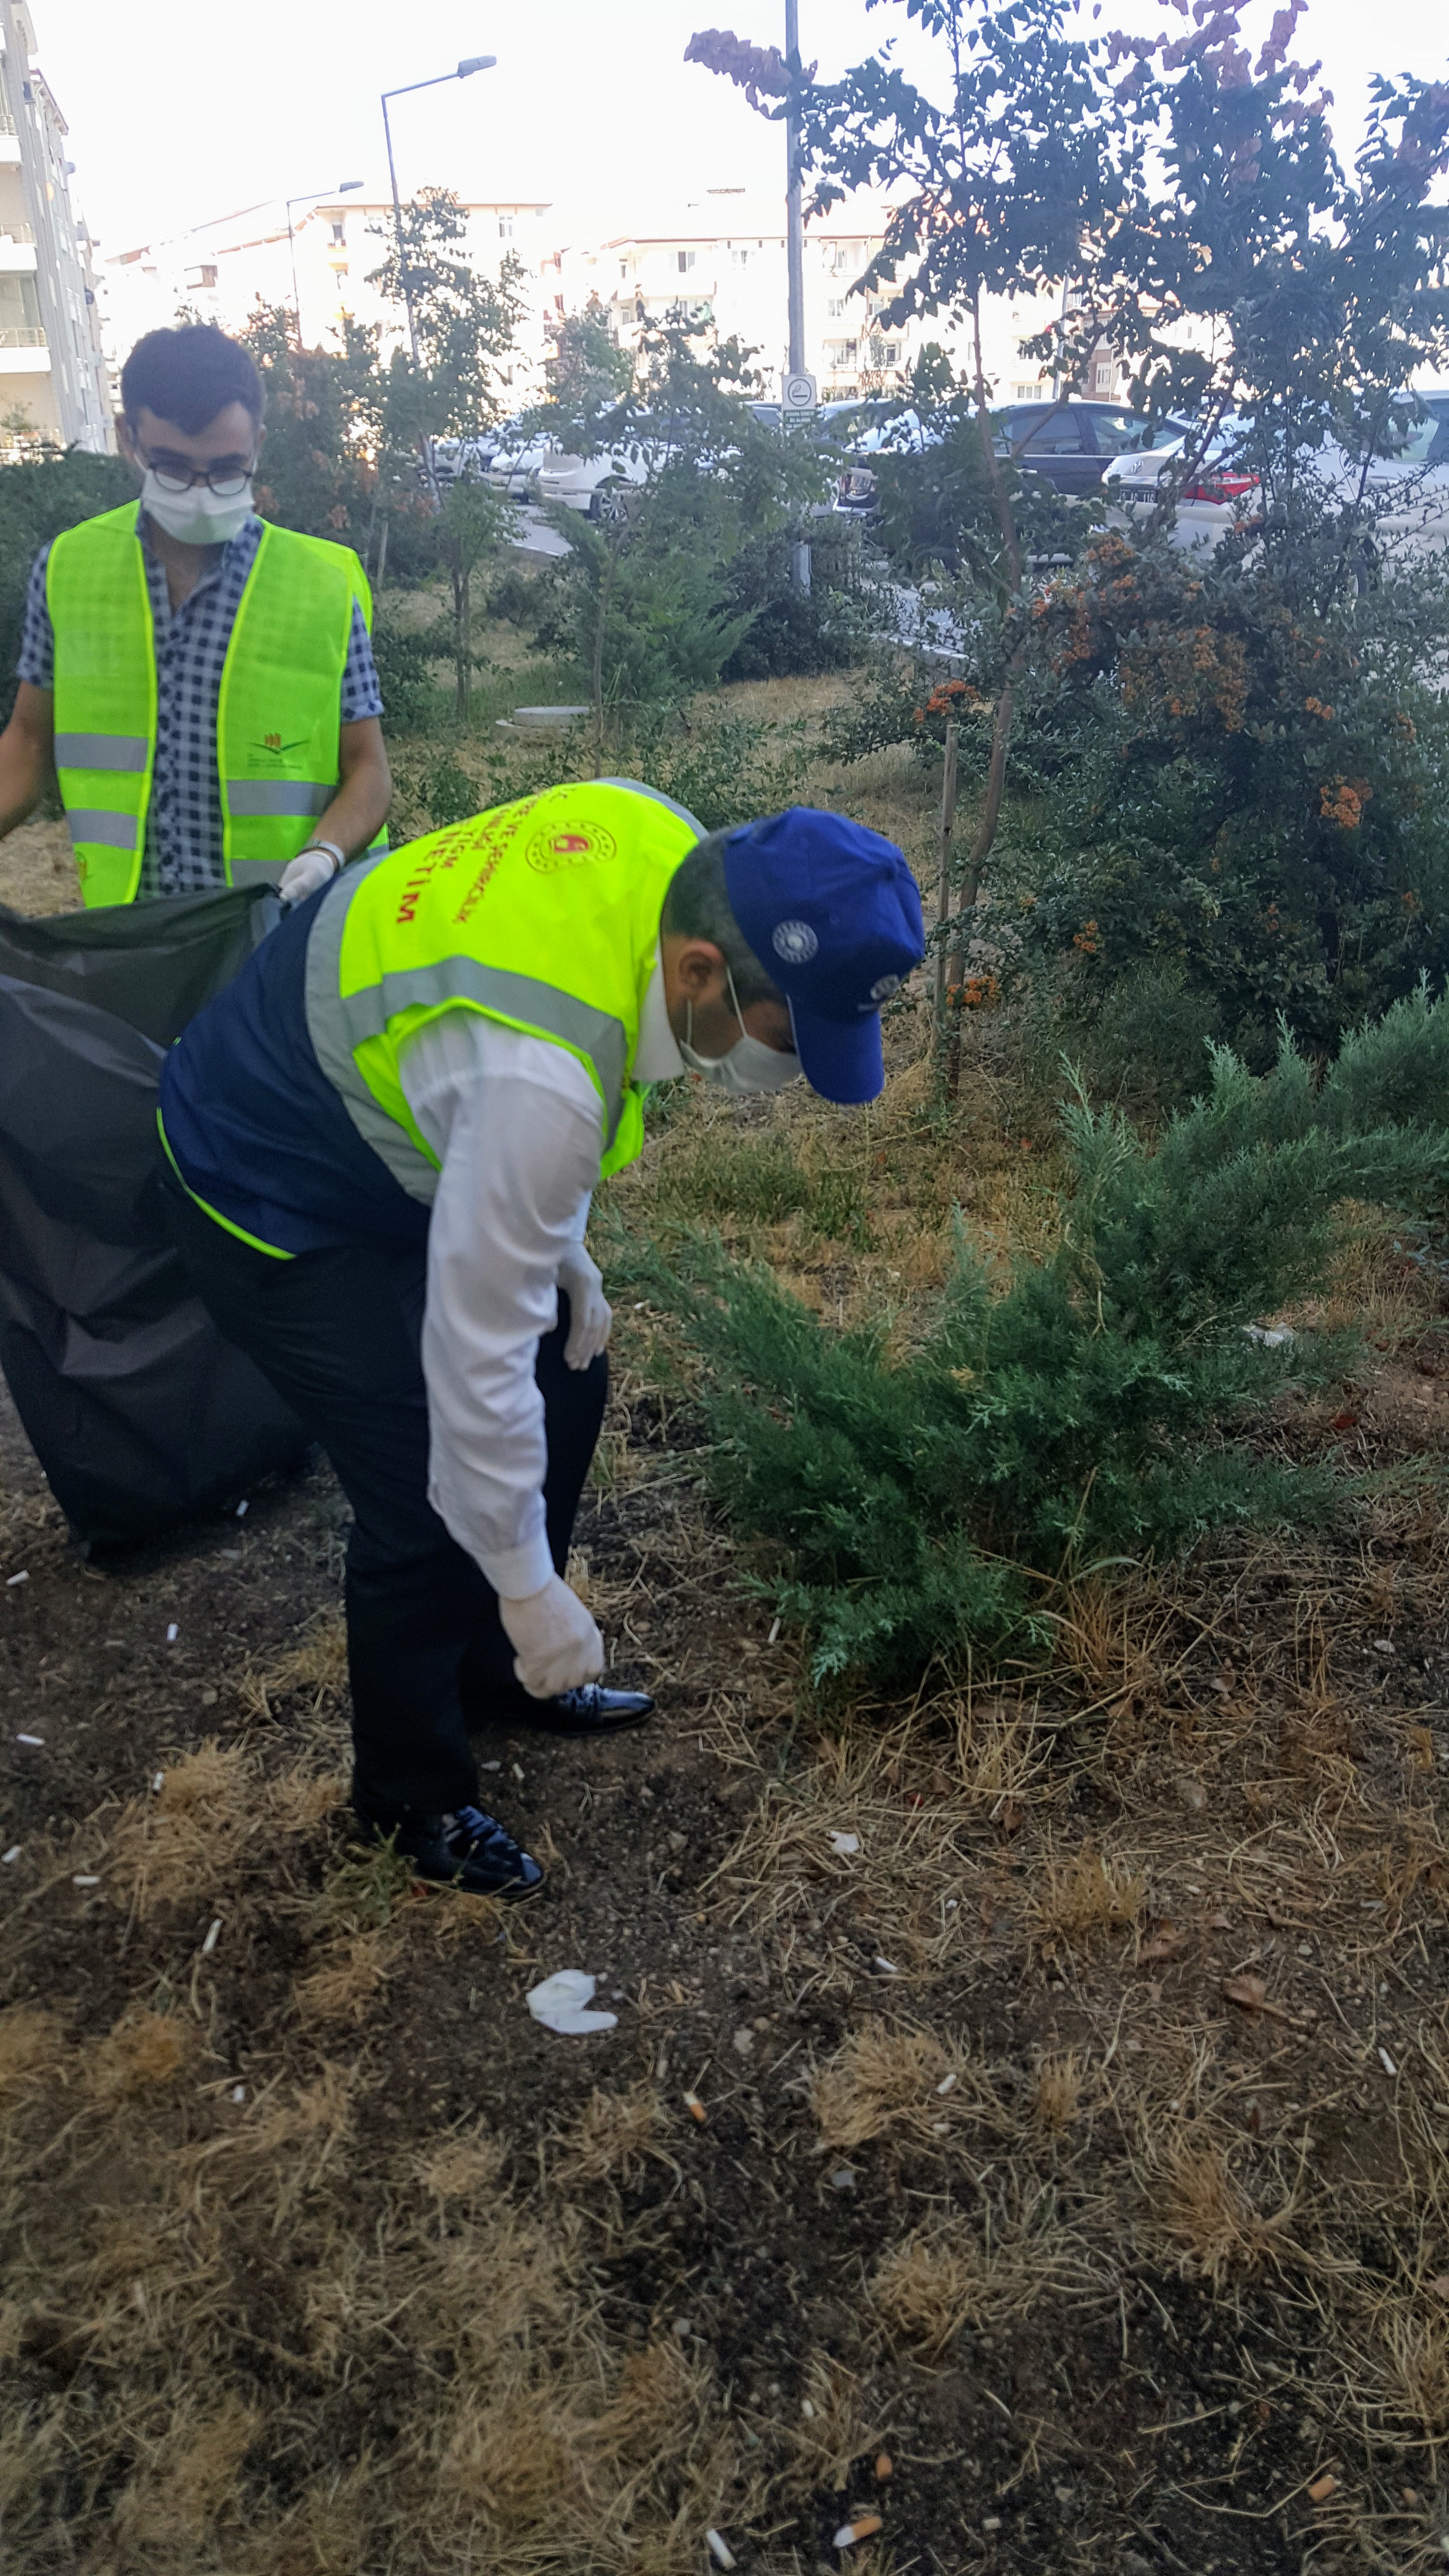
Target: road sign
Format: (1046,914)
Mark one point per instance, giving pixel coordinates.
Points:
(799,392)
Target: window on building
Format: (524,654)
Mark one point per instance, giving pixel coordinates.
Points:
(1035,392)
(739,259)
(686,259)
(835,308)
(1102,375)
(339,235)
(205,276)
(505,228)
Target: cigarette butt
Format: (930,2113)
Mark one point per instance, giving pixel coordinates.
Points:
(212,1938)
(946,2083)
(720,2550)
(774,1632)
(695,2108)
(172,1633)
(884,2466)
(1322,2488)
(864,2527)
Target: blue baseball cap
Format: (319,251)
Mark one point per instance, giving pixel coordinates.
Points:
(833,914)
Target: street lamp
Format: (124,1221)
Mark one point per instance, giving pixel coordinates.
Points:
(465,70)
(316,198)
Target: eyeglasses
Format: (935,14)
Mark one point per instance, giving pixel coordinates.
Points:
(227,476)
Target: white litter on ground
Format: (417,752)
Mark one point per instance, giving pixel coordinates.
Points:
(85,1880)
(845,1844)
(561,2004)
(1272,1340)
(212,1938)
(12,1854)
(12,1579)
(172,1633)
(720,2551)
(30,1739)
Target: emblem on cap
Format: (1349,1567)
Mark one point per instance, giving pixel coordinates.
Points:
(794,942)
(882,990)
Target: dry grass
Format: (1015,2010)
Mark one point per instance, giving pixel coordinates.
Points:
(956,2273)
(613,2137)
(1086,1898)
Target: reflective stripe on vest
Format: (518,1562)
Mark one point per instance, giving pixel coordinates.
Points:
(128,752)
(462,918)
(277,710)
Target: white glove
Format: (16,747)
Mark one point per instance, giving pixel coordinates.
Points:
(558,1643)
(313,868)
(591,1317)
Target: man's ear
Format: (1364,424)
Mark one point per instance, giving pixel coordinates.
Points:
(128,443)
(699,969)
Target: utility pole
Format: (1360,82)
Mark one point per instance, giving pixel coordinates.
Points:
(795,245)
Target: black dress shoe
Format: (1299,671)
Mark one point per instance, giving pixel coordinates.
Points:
(590,1711)
(467,1850)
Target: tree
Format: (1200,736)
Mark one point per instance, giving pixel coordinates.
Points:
(464,324)
(1188,198)
(648,602)
(470,524)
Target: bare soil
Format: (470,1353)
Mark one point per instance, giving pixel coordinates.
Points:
(1025,2118)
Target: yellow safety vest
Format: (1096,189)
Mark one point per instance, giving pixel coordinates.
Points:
(277,716)
(543,914)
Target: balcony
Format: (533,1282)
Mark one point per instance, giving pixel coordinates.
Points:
(17,252)
(24,350)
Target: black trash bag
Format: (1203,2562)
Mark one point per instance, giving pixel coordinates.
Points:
(140,1414)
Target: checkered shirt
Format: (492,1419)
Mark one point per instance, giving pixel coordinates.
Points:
(183,825)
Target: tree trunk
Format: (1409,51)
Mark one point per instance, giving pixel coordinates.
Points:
(1002,721)
(382,556)
(943,885)
(462,637)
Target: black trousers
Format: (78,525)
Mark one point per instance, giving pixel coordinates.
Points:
(339,1336)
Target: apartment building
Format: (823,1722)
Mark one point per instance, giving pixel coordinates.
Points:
(318,269)
(718,262)
(53,383)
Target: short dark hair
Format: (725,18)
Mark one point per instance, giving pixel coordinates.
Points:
(189,375)
(697,906)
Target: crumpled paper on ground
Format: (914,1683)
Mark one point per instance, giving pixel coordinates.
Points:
(561,2004)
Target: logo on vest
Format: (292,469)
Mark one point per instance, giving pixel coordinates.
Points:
(271,749)
(549,852)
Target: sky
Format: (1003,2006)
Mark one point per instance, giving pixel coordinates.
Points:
(181,116)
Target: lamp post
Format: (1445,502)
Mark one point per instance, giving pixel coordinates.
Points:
(474,63)
(316,196)
(795,246)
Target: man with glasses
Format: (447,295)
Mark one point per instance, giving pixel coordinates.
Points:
(202,683)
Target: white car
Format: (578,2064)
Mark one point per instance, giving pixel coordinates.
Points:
(593,485)
(515,465)
(1408,488)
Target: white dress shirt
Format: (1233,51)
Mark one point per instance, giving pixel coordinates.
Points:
(518,1129)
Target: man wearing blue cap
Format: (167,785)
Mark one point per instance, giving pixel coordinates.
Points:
(381,1144)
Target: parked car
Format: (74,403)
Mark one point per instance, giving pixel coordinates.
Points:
(515,466)
(455,458)
(595,485)
(1407,485)
(1071,446)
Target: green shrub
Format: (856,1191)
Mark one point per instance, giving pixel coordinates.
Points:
(1234,779)
(37,500)
(721,768)
(1095,1409)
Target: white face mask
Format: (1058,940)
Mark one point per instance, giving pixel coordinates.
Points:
(750,1065)
(199,517)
